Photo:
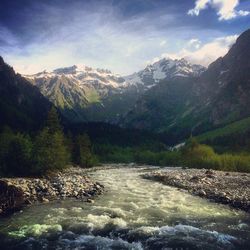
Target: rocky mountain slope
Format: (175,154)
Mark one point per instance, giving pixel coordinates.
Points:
(219,96)
(73,89)
(164,69)
(22,106)
(86,94)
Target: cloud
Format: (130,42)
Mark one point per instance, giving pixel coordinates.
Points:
(205,54)
(101,38)
(99,35)
(7,39)
(225,8)
(194,43)
(98,39)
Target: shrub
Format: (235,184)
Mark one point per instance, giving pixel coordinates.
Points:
(203,156)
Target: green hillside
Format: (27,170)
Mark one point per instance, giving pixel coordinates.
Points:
(234,135)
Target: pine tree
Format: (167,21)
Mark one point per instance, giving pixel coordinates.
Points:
(69,145)
(19,157)
(83,154)
(15,154)
(50,152)
(53,122)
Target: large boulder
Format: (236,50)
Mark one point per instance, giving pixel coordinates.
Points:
(11,197)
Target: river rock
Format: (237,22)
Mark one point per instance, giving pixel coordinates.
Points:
(11,197)
(44,200)
(228,188)
(72,182)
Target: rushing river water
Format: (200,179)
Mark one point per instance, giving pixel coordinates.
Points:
(133,213)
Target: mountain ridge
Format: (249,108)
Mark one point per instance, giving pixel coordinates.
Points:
(215,98)
(22,106)
(86,94)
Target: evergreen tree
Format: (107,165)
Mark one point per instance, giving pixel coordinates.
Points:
(53,122)
(83,154)
(5,139)
(50,152)
(19,157)
(15,154)
(69,145)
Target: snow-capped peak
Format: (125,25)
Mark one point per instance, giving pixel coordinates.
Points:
(164,69)
(82,75)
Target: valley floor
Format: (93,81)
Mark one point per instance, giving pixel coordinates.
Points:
(230,188)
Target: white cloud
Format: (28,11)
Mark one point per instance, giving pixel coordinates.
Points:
(100,39)
(199,5)
(194,43)
(243,13)
(225,8)
(204,55)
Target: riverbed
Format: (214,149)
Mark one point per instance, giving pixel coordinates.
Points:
(133,213)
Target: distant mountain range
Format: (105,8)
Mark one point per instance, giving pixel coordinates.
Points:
(170,96)
(75,89)
(86,94)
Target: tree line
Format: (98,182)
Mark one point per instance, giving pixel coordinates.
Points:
(48,150)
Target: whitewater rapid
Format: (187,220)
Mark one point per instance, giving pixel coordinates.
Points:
(133,213)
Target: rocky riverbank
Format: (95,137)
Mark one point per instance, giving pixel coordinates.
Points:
(223,187)
(71,183)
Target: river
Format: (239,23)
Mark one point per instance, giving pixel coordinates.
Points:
(133,213)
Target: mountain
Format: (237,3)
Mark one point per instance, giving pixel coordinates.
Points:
(225,86)
(166,107)
(173,97)
(22,106)
(164,69)
(78,91)
(216,97)
(86,94)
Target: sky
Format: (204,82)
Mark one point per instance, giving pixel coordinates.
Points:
(120,35)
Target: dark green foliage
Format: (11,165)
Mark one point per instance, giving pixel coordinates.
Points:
(19,156)
(113,153)
(15,154)
(51,150)
(233,137)
(163,158)
(140,155)
(50,153)
(82,151)
(53,122)
(203,156)
(69,143)
(104,133)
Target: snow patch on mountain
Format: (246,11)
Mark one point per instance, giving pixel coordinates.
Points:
(104,81)
(83,75)
(164,69)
